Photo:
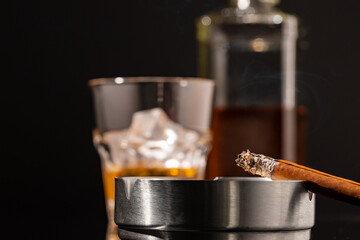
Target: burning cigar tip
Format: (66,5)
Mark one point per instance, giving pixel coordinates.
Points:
(243,158)
(256,164)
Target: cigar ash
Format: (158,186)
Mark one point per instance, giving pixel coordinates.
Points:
(256,164)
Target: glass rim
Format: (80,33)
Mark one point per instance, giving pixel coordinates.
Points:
(146,79)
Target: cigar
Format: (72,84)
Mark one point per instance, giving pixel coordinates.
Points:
(317,182)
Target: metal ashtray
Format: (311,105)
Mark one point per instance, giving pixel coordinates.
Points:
(224,208)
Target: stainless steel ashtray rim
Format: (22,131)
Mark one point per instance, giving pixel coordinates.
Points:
(240,179)
(223,204)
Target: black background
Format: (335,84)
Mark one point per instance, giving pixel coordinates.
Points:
(51,184)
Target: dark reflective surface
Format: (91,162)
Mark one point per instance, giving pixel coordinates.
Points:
(326,228)
(130,234)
